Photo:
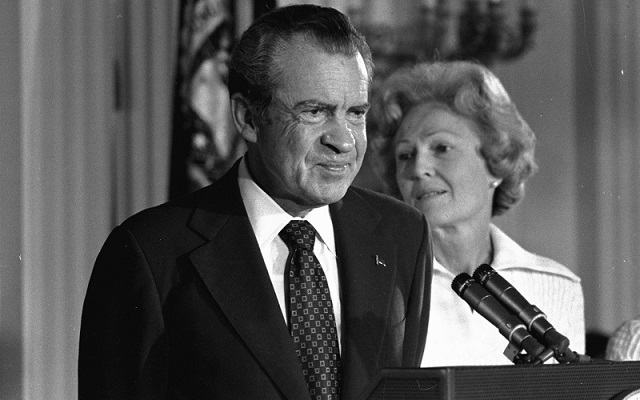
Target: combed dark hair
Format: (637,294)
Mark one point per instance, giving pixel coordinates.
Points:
(253,71)
(468,89)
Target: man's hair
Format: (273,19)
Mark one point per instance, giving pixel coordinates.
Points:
(253,68)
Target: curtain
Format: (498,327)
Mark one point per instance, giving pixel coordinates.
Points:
(608,140)
(205,141)
(95,103)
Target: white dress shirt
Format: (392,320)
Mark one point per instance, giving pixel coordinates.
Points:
(267,220)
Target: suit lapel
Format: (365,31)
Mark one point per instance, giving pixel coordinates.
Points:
(233,270)
(231,266)
(366,261)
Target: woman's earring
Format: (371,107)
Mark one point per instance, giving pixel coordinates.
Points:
(494,184)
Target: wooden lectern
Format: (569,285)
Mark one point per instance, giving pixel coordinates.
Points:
(597,380)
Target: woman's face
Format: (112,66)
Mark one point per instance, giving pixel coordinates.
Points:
(439,169)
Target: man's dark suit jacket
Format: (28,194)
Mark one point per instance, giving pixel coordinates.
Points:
(180,304)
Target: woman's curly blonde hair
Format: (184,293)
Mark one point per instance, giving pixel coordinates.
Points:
(467,89)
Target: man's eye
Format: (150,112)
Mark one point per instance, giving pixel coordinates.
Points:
(356,116)
(313,115)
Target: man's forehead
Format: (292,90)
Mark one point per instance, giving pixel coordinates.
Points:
(309,73)
(300,48)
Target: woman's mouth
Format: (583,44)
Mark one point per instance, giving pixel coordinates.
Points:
(429,194)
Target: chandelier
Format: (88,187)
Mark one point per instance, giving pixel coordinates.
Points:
(409,31)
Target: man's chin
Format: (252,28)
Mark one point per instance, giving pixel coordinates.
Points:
(330,194)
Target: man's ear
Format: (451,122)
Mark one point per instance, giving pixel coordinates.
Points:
(244,118)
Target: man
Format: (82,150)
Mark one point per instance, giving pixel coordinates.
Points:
(197,299)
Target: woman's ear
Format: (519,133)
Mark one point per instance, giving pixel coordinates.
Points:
(244,118)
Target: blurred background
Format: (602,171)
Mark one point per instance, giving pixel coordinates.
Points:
(112,106)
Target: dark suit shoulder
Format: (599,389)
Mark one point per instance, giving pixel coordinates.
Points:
(165,214)
(220,198)
(398,221)
(386,204)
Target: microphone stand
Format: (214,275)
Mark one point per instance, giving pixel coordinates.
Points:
(516,356)
(535,321)
(509,325)
(571,357)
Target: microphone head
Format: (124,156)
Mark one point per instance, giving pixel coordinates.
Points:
(460,283)
(483,273)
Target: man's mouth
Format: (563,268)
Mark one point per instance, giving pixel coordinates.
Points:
(335,167)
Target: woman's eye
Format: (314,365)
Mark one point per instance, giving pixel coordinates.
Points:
(404,156)
(441,148)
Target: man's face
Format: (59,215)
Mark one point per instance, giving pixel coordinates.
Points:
(311,144)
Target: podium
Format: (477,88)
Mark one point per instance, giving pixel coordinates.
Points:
(597,380)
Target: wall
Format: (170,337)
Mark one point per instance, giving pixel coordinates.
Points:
(580,91)
(10,203)
(608,108)
(541,84)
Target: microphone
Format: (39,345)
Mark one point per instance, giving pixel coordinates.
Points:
(535,320)
(508,324)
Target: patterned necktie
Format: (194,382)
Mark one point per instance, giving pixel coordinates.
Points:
(311,320)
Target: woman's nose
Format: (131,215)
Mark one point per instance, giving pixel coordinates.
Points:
(423,165)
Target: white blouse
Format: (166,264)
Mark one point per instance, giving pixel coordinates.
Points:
(459,336)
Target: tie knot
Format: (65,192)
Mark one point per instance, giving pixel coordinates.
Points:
(299,234)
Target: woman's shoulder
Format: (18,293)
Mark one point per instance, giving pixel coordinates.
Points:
(547,265)
(509,255)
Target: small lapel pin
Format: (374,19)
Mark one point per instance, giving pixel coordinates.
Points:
(380,261)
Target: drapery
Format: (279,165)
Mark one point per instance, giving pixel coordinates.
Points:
(95,96)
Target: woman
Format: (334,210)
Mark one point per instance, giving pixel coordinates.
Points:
(447,139)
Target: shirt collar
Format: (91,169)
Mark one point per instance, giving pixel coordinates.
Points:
(505,252)
(439,268)
(509,255)
(268,218)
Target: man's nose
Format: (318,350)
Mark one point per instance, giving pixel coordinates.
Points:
(339,137)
